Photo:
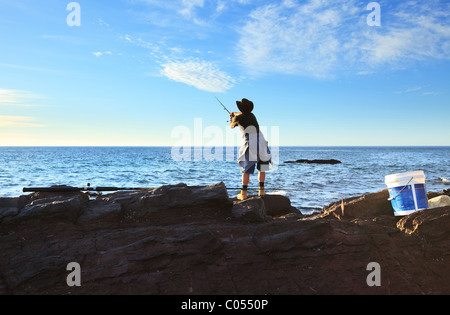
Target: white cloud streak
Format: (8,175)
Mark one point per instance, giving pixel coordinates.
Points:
(27,68)
(17,98)
(293,38)
(100,53)
(317,38)
(200,74)
(18,121)
(312,38)
(414,31)
(189,6)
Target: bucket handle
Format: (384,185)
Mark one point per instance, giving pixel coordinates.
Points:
(390,199)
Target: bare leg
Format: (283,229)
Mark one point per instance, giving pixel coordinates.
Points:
(245,179)
(245,182)
(262,177)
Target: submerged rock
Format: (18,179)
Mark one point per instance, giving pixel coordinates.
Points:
(332,162)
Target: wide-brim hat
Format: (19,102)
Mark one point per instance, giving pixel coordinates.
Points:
(245,106)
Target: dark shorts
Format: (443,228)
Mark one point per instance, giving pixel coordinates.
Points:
(251,167)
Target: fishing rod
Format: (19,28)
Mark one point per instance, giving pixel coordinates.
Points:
(223,105)
(88,188)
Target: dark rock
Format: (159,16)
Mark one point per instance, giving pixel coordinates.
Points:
(369,205)
(260,209)
(69,208)
(143,203)
(277,205)
(9,207)
(250,210)
(423,224)
(28,199)
(332,162)
(201,244)
(432,227)
(100,208)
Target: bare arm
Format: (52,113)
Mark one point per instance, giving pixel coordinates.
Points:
(233,122)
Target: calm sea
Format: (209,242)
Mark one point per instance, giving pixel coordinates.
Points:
(309,186)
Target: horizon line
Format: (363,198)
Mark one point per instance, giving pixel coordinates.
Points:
(225,146)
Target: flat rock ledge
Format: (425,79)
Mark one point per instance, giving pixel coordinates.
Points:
(189,240)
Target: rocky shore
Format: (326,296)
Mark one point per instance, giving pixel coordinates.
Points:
(199,241)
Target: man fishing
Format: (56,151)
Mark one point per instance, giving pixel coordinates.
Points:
(254,153)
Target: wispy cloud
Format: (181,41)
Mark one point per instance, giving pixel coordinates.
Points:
(317,38)
(410,90)
(178,64)
(188,12)
(188,7)
(17,98)
(422,90)
(102,53)
(101,22)
(18,121)
(412,31)
(430,93)
(294,38)
(313,38)
(200,74)
(23,67)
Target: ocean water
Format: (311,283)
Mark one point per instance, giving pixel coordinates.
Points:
(309,186)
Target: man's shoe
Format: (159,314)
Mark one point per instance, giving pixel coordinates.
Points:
(242,195)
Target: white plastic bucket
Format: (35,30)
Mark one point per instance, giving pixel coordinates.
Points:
(407,192)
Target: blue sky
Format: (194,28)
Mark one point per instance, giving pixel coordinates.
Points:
(136,70)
